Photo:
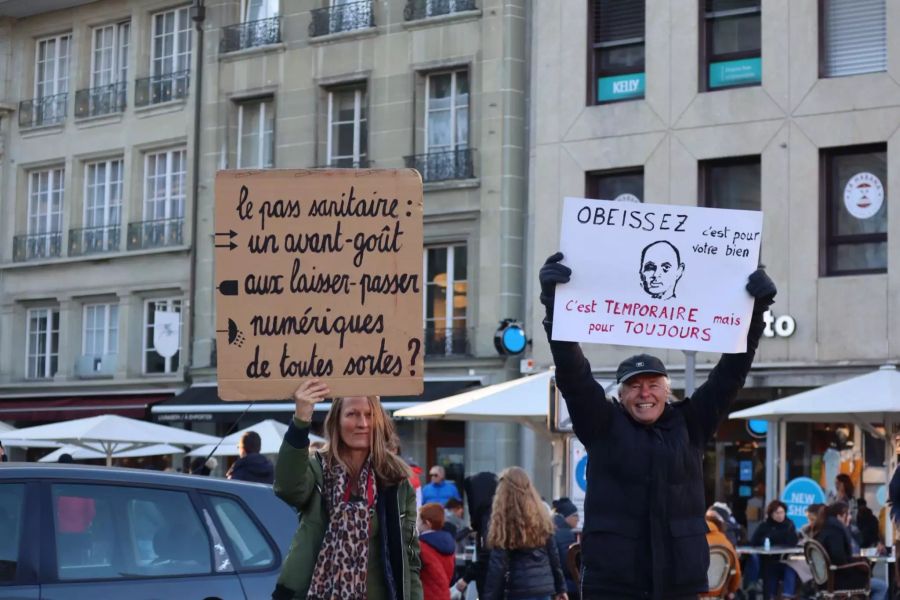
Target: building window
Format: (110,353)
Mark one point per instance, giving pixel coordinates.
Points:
(45,209)
(616,37)
(51,83)
(153,361)
(101,330)
(731,183)
(257,10)
(447,109)
(446,300)
(42,338)
(164,185)
(256,134)
(109,59)
(348,130)
(102,206)
(171,46)
(619,184)
(732,43)
(854,37)
(856,221)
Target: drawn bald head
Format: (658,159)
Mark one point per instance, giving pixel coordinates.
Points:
(661,269)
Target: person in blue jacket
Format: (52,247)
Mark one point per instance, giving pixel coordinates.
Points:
(644,532)
(439,490)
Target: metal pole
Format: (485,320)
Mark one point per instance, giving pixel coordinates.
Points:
(690,365)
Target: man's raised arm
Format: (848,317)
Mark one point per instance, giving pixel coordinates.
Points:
(584,397)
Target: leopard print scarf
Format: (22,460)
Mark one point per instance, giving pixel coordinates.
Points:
(342,564)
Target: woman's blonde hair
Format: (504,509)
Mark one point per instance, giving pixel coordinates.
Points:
(519,518)
(383,447)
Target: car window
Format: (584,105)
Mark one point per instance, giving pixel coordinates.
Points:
(251,548)
(114,532)
(11,496)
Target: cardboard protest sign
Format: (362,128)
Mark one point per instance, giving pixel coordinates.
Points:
(659,276)
(319,274)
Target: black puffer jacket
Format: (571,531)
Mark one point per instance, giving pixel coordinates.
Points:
(644,532)
(779,534)
(524,573)
(836,540)
(253,467)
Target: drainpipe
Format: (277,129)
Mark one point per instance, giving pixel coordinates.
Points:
(198,15)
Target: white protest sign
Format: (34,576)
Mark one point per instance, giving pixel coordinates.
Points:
(658,276)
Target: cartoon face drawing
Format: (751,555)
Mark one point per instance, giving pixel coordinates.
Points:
(661,269)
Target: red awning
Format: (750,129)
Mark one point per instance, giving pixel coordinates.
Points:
(64,408)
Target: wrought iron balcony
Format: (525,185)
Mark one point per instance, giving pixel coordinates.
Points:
(37,245)
(155,234)
(421,9)
(250,35)
(162,88)
(93,240)
(101,100)
(341,17)
(446,341)
(444,166)
(46,110)
(345,163)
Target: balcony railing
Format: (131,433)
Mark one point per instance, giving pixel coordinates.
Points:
(162,88)
(93,240)
(46,110)
(342,17)
(37,245)
(421,9)
(155,234)
(446,341)
(101,100)
(444,166)
(250,35)
(345,163)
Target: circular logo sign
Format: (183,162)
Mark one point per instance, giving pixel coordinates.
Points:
(863,195)
(581,473)
(627,198)
(797,495)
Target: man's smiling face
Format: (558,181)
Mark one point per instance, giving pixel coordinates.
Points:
(644,397)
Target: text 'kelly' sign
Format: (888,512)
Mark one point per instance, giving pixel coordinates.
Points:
(319,274)
(659,276)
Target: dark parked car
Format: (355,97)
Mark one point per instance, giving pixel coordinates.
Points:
(76,532)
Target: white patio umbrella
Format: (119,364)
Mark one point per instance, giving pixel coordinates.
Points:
(271,433)
(82,453)
(111,434)
(4,427)
(525,401)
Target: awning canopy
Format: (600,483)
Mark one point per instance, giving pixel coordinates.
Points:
(870,398)
(64,408)
(81,453)
(525,400)
(201,402)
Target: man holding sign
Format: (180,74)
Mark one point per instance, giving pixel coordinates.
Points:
(644,529)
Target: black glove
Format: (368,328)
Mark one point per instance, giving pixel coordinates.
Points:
(552,273)
(762,288)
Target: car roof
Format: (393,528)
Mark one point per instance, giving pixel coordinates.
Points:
(31,470)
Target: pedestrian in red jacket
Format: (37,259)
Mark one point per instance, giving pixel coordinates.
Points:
(438,551)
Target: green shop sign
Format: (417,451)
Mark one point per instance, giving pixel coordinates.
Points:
(620,87)
(735,72)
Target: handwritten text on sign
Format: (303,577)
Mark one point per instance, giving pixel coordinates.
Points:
(659,276)
(319,274)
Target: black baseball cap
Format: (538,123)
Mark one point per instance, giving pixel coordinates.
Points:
(639,364)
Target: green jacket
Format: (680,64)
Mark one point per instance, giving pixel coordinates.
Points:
(299,481)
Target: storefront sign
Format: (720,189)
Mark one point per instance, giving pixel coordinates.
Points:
(735,72)
(783,326)
(798,494)
(657,275)
(863,195)
(620,87)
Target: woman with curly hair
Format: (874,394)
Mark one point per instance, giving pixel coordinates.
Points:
(356,539)
(524,561)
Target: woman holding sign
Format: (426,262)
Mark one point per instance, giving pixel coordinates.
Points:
(356,538)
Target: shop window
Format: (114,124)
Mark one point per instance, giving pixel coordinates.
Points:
(619,184)
(732,43)
(854,37)
(616,38)
(731,183)
(856,221)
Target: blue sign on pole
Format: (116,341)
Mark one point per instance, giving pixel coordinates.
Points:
(620,87)
(798,494)
(581,473)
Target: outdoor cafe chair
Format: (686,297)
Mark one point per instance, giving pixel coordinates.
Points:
(573,561)
(721,570)
(823,573)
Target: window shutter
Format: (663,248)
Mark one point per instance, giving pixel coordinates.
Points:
(616,20)
(855,37)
